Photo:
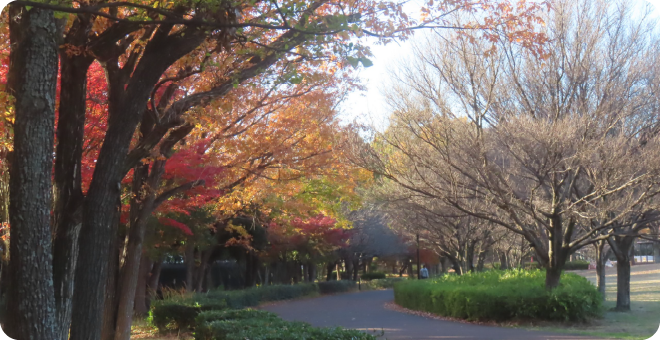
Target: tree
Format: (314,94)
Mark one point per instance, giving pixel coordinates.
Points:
(510,139)
(142,47)
(32,80)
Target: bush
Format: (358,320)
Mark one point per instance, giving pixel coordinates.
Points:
(332,287)
(251,297)
(270,327)
(372,276)
(180,314)
(381,283)
(502,295)
(576,265)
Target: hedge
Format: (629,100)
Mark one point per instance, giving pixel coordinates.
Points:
(576,265)
(250,324)
(502,295)
(372,276)
(179,313)
(251,297)
(382,283)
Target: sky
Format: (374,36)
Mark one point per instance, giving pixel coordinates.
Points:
(369,107)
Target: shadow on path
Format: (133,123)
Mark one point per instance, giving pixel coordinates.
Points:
(366,311)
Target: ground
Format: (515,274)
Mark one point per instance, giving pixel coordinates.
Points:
(369,311)
(643,319)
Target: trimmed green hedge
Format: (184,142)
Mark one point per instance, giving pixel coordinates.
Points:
(502,295)
(179,313)
(251,324)
(576,265)
(251,297)
(382,283)
(372,276)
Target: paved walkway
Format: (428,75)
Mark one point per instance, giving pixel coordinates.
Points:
(366,311)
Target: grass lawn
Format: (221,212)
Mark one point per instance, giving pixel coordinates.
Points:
(643,319)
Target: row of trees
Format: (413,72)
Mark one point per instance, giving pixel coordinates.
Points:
(493,147)
(171,122)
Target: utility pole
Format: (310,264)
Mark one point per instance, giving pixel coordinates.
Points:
(418,267)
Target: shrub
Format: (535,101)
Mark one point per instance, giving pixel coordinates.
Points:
(502,295)
(272,329)
(381,283)
(251,297)
(332,287)
(372,276)
(180,314)
(576,265)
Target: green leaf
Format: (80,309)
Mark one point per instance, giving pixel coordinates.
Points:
(353,61)
(366,62)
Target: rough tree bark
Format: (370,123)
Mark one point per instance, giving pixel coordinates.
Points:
(110,294)
(140,304)
(67,214)
(32,80)
(621,247)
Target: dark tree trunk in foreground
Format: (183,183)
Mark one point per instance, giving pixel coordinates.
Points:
(67,214)
(110,296)
(622,246)
(32,80)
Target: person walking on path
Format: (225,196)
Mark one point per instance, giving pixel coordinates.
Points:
(424,273)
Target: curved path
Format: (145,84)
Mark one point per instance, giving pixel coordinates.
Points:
(366,311)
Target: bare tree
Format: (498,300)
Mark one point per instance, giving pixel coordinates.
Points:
(534,146)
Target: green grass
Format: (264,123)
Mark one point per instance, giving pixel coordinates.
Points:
(640,323)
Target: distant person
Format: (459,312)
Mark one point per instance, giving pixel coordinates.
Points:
(424,273)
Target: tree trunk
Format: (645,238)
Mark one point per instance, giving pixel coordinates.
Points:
(141,288)
(189,259)
(552,277)
(131,269)
(153,282)
(481,259)
(328,275)
(349,267)
(127,99)
(32,80)
(622,246)
(504,263)
(266,276)
(67,212)
(557,255)
(623,285)
(443,264)
(110,297)
(601,258)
